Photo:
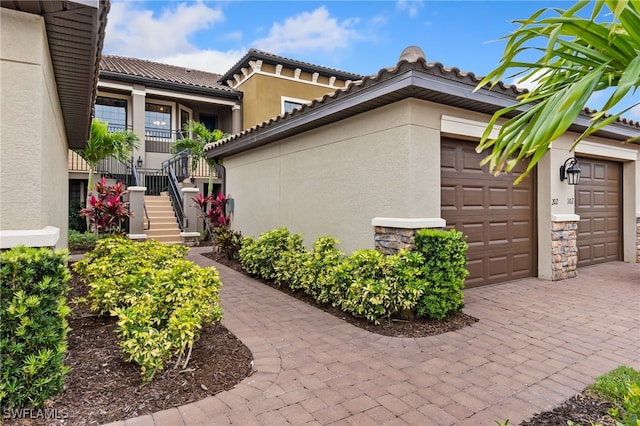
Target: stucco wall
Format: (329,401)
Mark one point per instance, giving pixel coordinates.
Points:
(386,163)
(33,149)
(262,96)
(335,180)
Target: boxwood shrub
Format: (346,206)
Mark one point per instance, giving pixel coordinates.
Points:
(33,326)
(426,282)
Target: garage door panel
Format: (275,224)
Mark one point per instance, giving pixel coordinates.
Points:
(521,230)
(498,232)
(496,217)
(448,197)
(498,197)
(473,197)
(599,204)
(521,198)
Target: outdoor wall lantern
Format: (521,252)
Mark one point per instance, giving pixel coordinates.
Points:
(139,162)
(570,171)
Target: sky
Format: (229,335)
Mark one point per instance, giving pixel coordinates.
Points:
(356,36)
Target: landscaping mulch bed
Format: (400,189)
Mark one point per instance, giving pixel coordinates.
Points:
(103,388)
(583,409)
(418,327)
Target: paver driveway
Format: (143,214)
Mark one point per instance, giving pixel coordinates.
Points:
(537,343)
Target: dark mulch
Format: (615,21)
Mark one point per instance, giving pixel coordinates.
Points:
(418,327)
(103,388)
(583,409)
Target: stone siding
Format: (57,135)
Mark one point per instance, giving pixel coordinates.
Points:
(564,250)
(391,240)
(638,240)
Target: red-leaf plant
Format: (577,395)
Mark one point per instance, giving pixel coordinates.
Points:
(216,216)
(108,210)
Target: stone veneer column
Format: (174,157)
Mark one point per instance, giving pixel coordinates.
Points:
(190,236)
(638,239)
(136,206)
(564,248)
(394,234)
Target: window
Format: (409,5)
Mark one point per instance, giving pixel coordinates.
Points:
(113,111)
(289,104)
(157,121)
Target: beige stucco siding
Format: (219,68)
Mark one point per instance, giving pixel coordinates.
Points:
(33,149)
(334,181)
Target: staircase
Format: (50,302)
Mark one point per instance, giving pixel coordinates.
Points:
(164,227)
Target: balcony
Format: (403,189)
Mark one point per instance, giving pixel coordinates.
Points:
(75,163)
(160,140)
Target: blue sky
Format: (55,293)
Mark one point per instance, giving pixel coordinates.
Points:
(355,36)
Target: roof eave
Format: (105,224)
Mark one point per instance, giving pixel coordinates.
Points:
(161,84)
(389,88)
(253,55)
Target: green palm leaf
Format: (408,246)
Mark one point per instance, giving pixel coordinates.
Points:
(580,57)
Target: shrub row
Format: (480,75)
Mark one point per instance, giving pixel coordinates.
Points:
(33,328)
(161,300)
(83,240)
(426,282)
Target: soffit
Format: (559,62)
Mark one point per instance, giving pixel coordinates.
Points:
(75,33)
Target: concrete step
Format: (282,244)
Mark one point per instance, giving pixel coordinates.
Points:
(164,226)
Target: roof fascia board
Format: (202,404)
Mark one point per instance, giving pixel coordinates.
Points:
(253,55)
(186,96)
(284,77)
(161,84)
(410,78)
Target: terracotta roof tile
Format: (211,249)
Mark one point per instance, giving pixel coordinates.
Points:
(405,63)
(259,54)
(157,71)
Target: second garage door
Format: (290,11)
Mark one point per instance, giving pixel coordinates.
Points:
(495,215)
(599,204)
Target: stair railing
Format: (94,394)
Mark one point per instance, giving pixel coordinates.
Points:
(136,182)
(177,169)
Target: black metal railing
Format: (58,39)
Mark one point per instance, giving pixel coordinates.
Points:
(136,182)
(161,140)
(175,195)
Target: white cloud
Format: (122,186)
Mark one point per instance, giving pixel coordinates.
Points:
(138,33)
(412,7)
(315,30)
(205,60)
(634,112)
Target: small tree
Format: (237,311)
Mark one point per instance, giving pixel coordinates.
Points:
(202,136)
(107,212)
(104,144)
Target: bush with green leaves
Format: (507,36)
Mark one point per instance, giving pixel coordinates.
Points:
(161,300)
(227,242)
(33,326)
(621,386)
(427,282)
(259,256)
(76,222)
(83,240)
(445,261)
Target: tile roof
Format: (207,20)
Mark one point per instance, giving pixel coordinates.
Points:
(254,54)
(163,72)
(409,61)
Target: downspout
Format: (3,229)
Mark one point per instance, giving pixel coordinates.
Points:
(222,172)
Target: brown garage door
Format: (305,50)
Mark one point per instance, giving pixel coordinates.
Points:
(496,216)
(598,202)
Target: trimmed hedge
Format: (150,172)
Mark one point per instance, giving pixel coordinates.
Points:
(33,326)
(427,282)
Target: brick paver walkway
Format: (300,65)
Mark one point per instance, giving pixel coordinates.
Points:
(537,343)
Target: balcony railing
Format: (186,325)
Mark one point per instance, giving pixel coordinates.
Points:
(161,140)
